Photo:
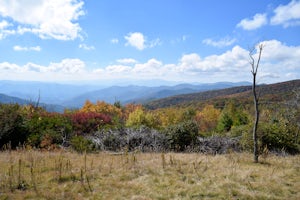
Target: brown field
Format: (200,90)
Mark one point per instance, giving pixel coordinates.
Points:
(66,175)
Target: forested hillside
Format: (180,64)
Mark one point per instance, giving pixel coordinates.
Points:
(268,93)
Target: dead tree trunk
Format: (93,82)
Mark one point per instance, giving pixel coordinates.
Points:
(254,67)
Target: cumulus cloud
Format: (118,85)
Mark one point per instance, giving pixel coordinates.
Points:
(152,66)
(47,19)
(138,40)
(287,15)
(65,67)
(257,21)
(20,48)
(219,43)
(279,62)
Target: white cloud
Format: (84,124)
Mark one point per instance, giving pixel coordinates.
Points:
(4,24)
(287,15)
(152,66)
(229,61)
(119,69)
(47,19)
(6,66)
(138,40)
(86,47)
(256,22)
(279,62)
(220,43)
(127,61)
(154,43)
(4,31)
(20,48)
(279,52)
(66,66)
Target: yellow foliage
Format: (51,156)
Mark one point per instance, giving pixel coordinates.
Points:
(208,118)
(169,116)
(101,107)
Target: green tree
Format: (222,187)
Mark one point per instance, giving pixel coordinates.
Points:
(225,122)
(12,129)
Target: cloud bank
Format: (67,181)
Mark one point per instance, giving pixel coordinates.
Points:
(279,62)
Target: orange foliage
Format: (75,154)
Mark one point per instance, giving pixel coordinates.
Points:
(101,107)
(129,108)
(208,118)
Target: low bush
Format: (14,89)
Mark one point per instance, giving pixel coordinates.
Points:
(82,144)
(182,135)
(88,122)
(280,137)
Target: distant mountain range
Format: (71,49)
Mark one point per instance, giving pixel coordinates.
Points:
(143,94)
(57,97)
(74,96)
(49,107)
(50,93)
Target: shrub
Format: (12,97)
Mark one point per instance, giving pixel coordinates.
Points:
(12,129)
(82,144)
(280,137)
(88,122)
(53,126)
(237,131)
(182,135)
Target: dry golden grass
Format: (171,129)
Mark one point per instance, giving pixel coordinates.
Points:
(141,176)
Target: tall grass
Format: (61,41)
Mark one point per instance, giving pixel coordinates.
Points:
(66,175)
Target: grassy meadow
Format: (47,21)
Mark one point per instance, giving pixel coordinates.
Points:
(105,175)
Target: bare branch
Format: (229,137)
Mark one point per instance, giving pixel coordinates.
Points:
(259,56)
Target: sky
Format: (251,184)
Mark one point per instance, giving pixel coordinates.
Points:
(188,41)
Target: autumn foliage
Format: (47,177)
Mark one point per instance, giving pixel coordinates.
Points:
(116,127)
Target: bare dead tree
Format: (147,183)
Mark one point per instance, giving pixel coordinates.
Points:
(254,66)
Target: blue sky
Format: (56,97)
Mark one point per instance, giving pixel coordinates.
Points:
(173,40)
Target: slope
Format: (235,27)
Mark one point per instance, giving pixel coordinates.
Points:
(271,92)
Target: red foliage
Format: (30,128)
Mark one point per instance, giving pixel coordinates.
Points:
(88,122)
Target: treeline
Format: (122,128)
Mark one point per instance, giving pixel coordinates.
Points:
(114,127)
